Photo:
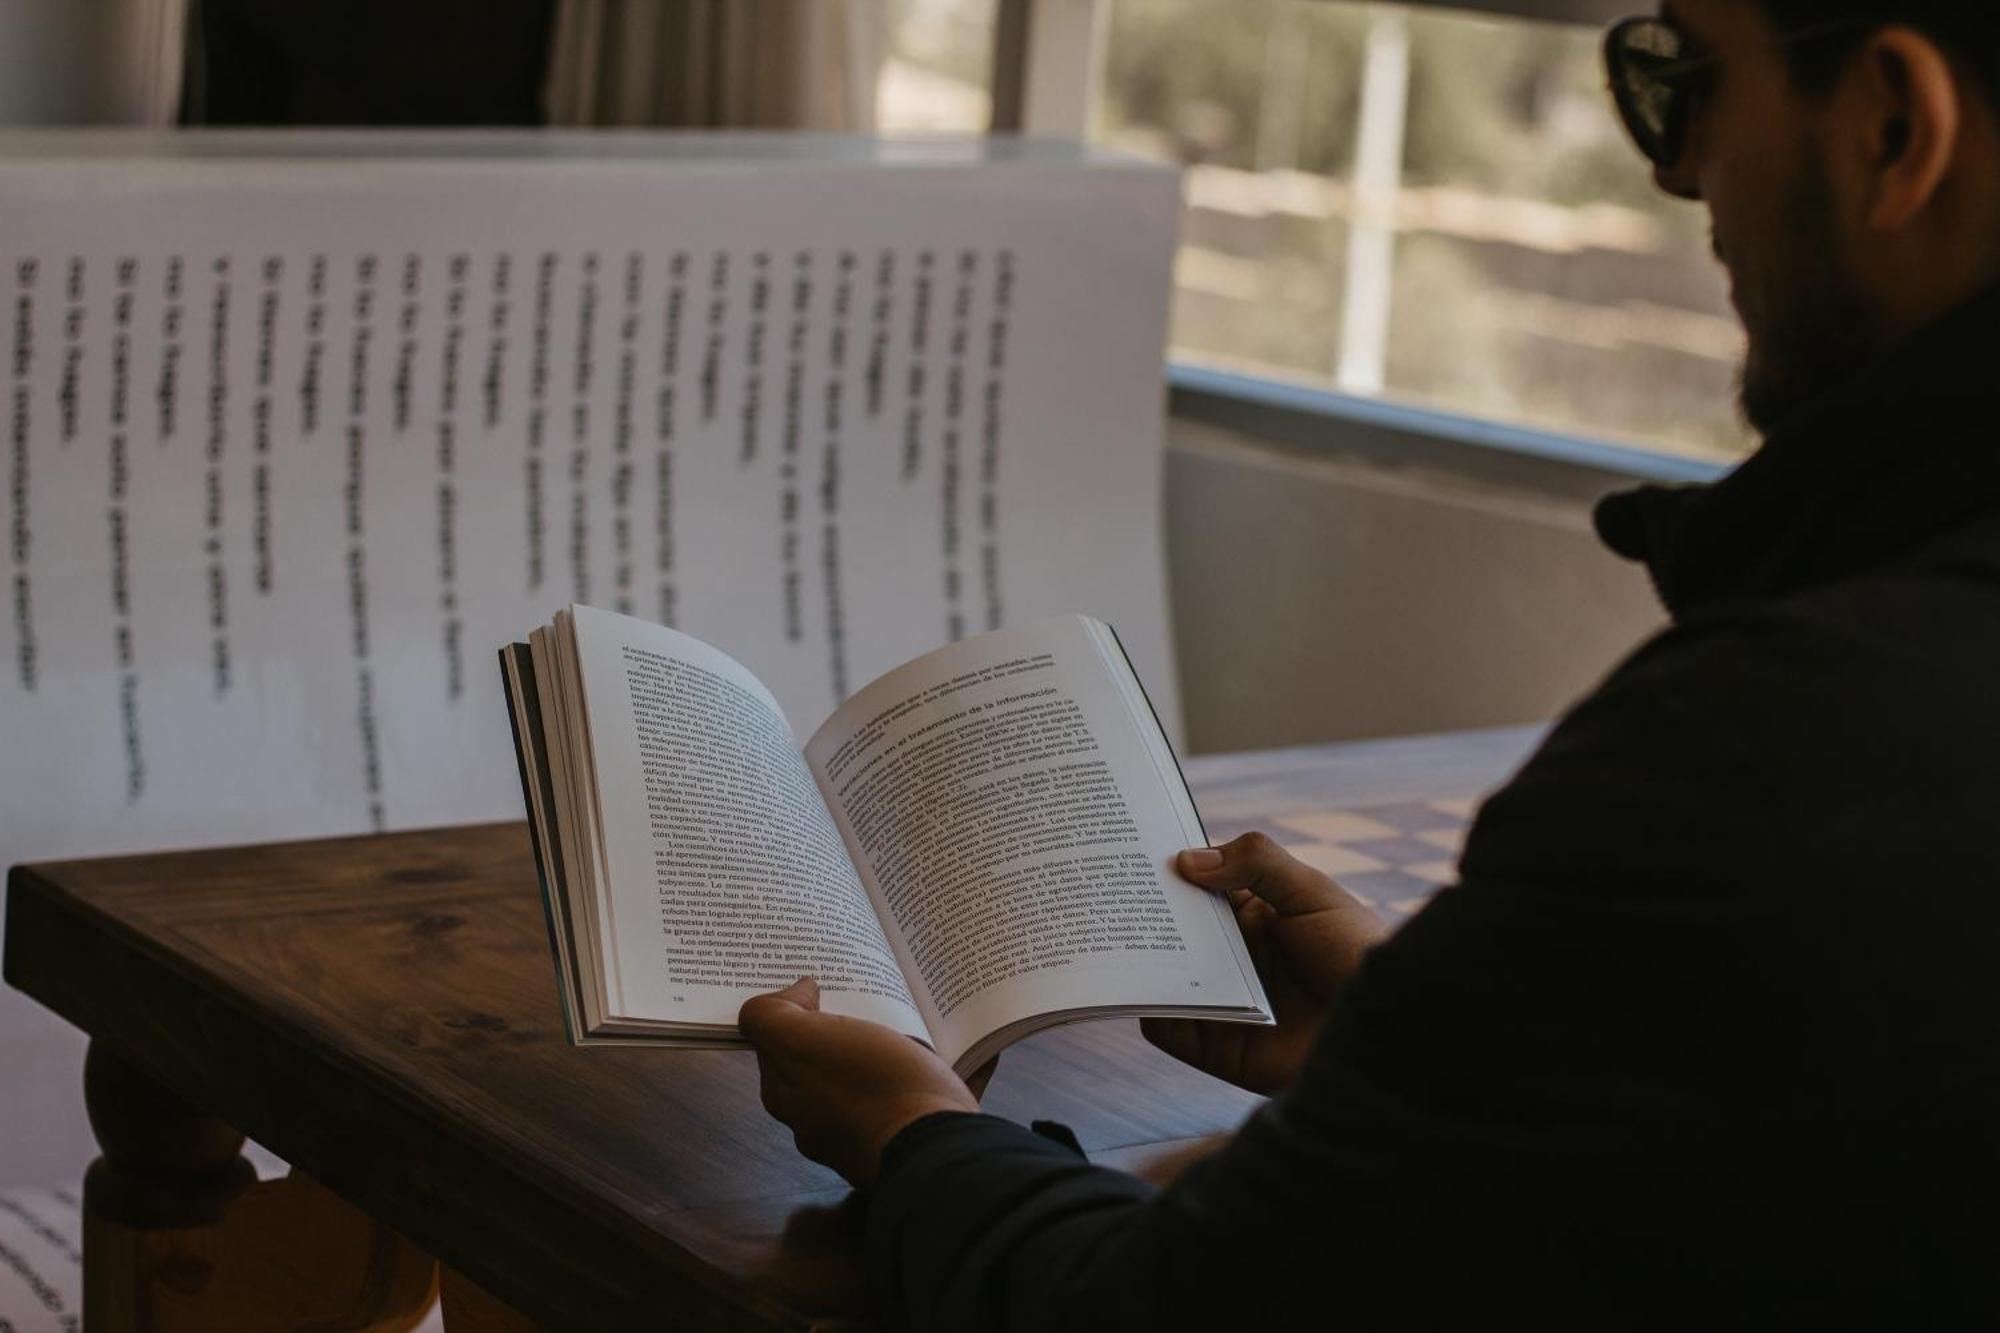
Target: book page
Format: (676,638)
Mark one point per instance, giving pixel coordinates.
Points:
(1016,827)
(580,855)
(724,875)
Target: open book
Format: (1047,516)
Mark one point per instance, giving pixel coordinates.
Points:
(975,846)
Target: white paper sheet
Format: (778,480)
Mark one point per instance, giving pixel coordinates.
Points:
(300,431)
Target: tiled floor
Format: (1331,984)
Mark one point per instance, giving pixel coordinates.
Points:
(1393,857)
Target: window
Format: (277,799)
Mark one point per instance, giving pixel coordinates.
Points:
(937,67)
(1435,207)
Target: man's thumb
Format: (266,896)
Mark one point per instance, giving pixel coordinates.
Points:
(804,993)
(1257,863)
(760,1012)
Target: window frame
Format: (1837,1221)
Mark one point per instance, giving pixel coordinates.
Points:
(1318,420)
(1048,68)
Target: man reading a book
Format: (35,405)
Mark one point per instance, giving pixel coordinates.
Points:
(1708,1035)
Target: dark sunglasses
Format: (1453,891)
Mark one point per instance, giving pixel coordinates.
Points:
(1659,75)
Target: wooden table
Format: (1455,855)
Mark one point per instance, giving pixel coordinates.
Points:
(381,1012)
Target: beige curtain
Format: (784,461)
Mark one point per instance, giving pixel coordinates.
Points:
(105,62)
(716,64)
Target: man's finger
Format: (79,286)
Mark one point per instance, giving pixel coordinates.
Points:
(766,1017)
(1256,863)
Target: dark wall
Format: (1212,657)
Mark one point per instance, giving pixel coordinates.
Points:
(366,62)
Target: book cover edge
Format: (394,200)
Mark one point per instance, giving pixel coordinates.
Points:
(524,670)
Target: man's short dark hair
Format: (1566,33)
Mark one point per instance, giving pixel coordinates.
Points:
(1967,30)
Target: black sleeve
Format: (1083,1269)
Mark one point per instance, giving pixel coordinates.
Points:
(1532,1097)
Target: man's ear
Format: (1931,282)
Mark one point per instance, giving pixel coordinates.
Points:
(1907,104)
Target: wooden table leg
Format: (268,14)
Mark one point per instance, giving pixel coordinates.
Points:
(470,1308)
(179,1235)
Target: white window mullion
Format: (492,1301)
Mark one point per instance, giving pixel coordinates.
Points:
(1378,187)
(1048,62)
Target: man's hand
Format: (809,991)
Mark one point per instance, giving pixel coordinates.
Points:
(1306,935)
(844,1086)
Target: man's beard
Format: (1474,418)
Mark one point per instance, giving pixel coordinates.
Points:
(1818,328)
